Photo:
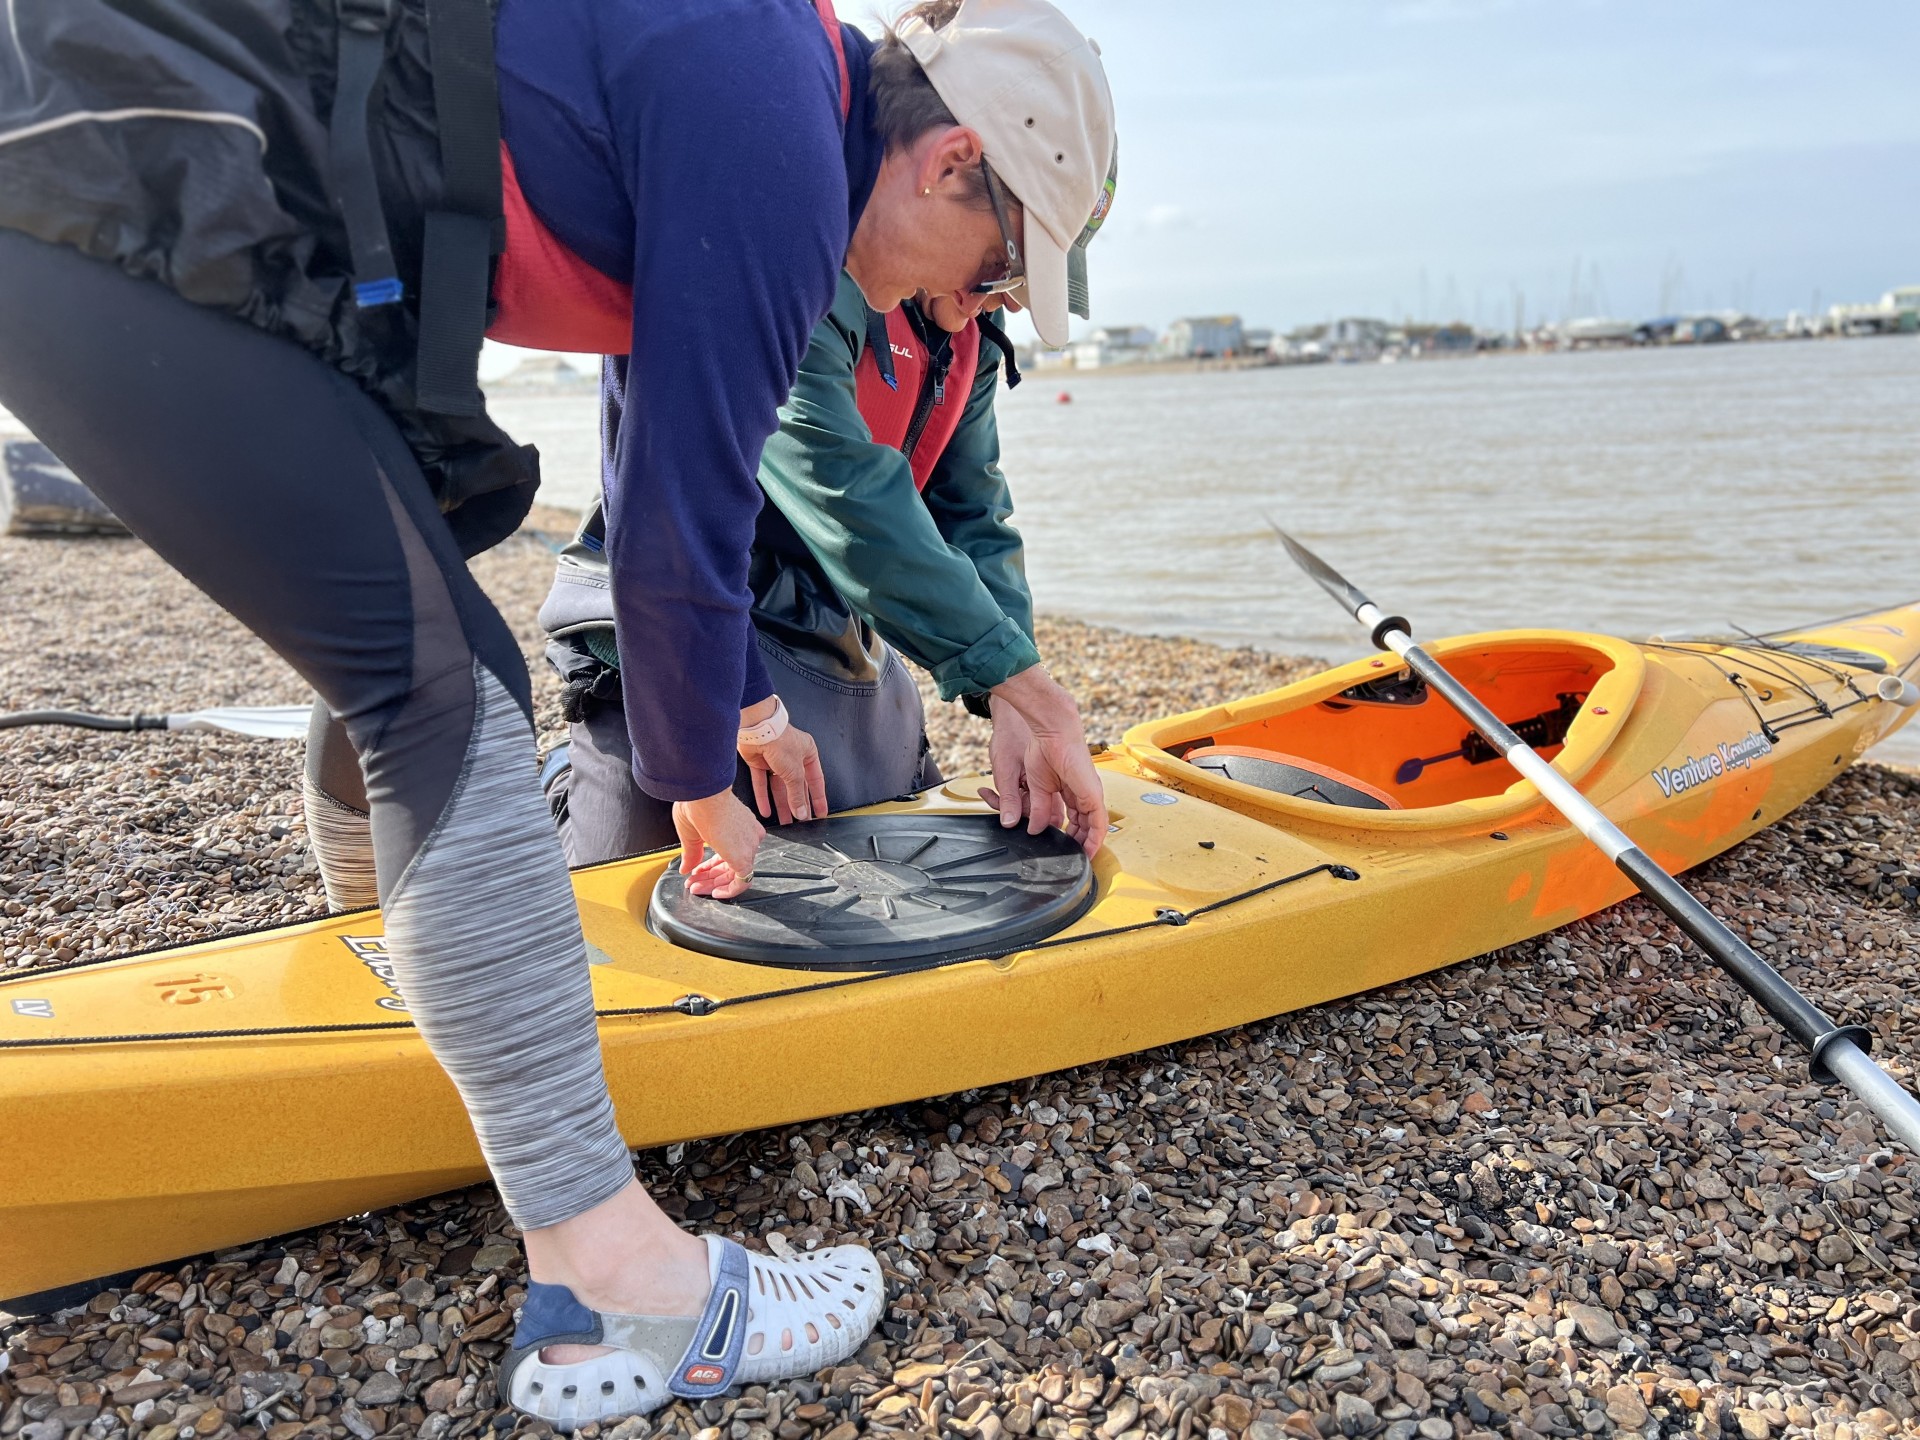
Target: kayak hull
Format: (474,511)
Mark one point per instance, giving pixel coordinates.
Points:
(173,1103)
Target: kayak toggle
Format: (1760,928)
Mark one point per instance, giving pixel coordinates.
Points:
(1897,691)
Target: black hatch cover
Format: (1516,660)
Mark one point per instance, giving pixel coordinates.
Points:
(861,892)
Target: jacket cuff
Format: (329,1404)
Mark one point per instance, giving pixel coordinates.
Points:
(758,685)
(999,655)
(673,790)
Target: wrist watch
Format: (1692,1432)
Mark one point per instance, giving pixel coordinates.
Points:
(978,702)
(769,729)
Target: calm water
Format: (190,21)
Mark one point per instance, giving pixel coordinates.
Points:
(1633,492)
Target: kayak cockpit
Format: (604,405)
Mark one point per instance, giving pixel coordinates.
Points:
(1368,745)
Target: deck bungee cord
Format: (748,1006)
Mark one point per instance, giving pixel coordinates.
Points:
(1770,726)
(1892,686)
(1836,1052)
(1817,707)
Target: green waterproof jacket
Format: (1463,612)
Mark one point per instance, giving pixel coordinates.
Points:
(940,573)
(848,547)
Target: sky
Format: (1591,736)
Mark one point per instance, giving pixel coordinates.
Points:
(1298,160)
(1295,160)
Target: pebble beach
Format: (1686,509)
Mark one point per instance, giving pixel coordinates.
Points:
(1576,1187)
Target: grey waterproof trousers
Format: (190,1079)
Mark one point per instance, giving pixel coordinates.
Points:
(872,740)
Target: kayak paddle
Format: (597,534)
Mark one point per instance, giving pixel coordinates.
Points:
(1838,1052)
(268,722)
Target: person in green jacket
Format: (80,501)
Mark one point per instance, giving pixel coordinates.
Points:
(884,533)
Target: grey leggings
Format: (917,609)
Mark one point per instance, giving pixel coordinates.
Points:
(272,483)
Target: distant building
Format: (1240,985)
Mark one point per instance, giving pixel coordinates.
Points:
(1454,339)
(1897,313)
(1303,346)
(1197,336)
(1740,325)
(1258,341)
(1113,345)
(1356,338)
(1594,330)
(1904,301)
(1701,330)
(547,372)
(1857,319)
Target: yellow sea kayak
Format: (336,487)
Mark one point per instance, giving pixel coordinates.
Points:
(1323,839)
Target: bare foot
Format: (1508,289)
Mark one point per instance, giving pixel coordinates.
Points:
(624,1256)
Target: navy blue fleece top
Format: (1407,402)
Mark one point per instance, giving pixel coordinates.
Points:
(691,148)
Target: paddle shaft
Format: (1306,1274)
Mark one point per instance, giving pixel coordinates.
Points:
(1838,1051)
(85,720)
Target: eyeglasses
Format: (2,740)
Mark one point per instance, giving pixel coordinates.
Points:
(1015,275)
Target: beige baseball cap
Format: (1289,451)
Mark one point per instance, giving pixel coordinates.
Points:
(1032,86)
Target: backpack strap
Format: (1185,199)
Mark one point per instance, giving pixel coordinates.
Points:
(360,51)
(468,228)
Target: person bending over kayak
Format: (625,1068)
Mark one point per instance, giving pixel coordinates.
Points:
(244,273)
(889,513)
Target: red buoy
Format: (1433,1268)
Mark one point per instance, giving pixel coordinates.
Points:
(1065,397)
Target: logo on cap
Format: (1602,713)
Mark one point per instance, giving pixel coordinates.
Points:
(1104,202)
(1101,206)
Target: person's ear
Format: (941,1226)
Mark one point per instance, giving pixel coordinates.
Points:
(951,153)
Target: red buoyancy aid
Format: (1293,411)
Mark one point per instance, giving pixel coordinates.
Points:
(548,298)
(545,296)
(918,393)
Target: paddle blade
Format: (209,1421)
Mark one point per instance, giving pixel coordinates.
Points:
(1328,578)
(265,722)
(1409,771)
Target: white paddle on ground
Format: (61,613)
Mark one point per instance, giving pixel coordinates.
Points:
(266,722)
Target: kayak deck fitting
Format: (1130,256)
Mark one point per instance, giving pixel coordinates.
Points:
(161,1105)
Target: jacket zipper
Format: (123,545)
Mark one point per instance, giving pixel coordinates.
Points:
(933,391)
